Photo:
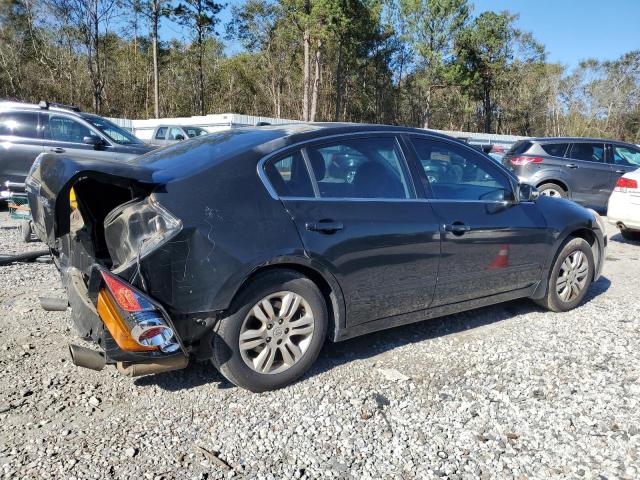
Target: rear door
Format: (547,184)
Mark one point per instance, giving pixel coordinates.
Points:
(491,243)
(368,227)
(589,174)
(64,135)
(20,144)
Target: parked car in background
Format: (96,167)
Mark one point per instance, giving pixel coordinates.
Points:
(248,248)
(27,130)
(164,135)
(624,205)
(582,169)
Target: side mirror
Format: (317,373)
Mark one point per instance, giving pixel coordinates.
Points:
(94,141)
(179,137)
(528,193)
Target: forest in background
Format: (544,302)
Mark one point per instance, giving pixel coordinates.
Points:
(425,63)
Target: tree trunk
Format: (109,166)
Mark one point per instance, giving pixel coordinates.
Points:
(338,83)
(316,83)
(201,105)
(426,114)
(486,104)
(156,75)
(306,75)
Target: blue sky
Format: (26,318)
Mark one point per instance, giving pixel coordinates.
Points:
(571,30)
(574,30)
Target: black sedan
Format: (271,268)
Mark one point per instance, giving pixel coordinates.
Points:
(250,248)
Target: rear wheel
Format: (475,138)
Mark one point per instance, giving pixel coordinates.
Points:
(274,334)
(552,190)
(570,276)
(633,235)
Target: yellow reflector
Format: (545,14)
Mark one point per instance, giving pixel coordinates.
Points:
(116,326)
(72,199)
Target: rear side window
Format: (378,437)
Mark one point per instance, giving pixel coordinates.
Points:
(519,147)
(161,133)
(290,177)
(590,152)
(360,168)
(176,134)
(555,149)
(19,124)
(626,156)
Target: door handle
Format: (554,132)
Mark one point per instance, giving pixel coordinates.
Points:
(571,165)
(621,171)
(57,150)
(457,228)
(324,227)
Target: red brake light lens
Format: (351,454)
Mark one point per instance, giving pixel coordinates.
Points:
(125,297)
(626,183)
(519,161)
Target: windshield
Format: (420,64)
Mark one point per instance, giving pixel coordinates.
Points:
(114,132)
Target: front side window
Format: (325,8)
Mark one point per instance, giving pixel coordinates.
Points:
(454,173)
(360,168)
(290,177)
(589,152)
(161,133)
(64,129)
(19,124)
(555,149)
(626,156)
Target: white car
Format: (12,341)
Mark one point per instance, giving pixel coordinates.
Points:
(624,205)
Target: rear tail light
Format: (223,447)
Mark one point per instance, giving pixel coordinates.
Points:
(623,184)
(520,161)
(134,322)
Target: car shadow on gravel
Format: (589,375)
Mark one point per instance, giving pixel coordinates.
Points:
(620,239)
(370,345)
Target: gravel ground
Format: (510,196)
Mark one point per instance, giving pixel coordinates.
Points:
(502,392)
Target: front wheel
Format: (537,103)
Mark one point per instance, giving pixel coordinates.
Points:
(552,190)
(274,334)
(570,276)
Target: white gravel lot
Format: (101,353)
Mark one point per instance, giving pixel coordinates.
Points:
(509,391)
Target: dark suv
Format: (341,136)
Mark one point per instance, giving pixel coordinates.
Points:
(27,130)
(582,169)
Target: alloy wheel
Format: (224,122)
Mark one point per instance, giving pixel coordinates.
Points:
(572,276)
(551,192)
(276,332)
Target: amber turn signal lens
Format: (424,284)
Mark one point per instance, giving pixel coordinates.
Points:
(116,326)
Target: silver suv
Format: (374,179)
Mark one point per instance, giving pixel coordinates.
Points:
(164,135)
(27,130)
(582,169)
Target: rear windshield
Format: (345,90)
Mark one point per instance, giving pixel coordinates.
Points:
(519,147)
(555,149)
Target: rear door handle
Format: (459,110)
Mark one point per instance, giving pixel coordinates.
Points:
(323,227)
(571,165)
(622,172)
(457,228)
(57,150)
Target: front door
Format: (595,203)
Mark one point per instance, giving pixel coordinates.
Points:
(589,173)
(65,135)
(490,243)
(364,223)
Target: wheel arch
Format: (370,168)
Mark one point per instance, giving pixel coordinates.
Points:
(555,181)
(324,280)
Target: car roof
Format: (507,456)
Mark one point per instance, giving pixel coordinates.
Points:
(23,106)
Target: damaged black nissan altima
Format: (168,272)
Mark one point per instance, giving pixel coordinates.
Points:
(246,249)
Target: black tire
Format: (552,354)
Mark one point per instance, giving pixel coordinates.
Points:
(552,190)
(227,357)
(25,230)
(552,300)
(632,235)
